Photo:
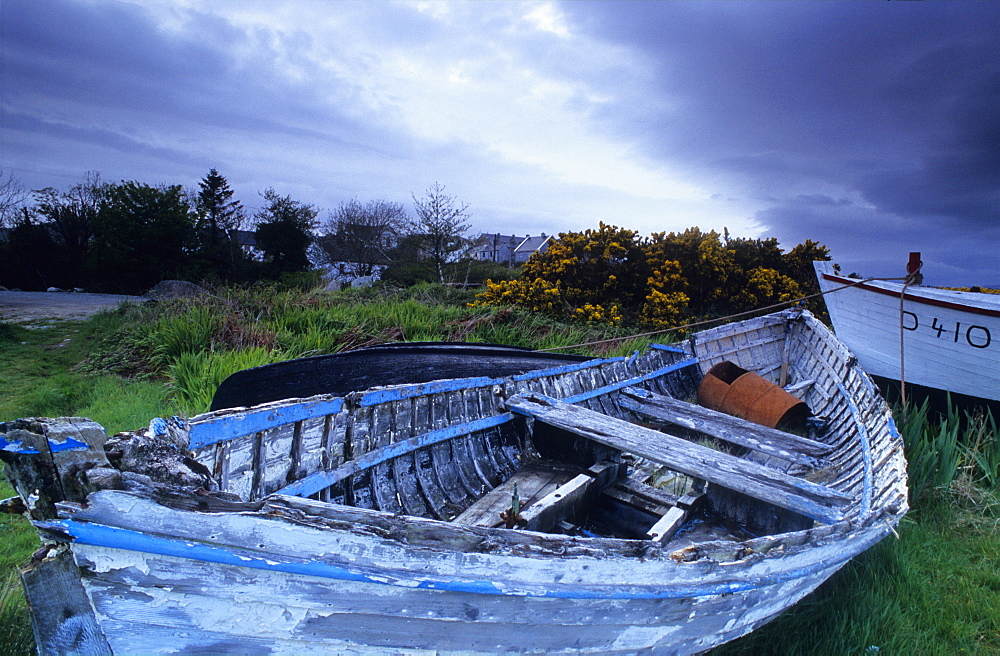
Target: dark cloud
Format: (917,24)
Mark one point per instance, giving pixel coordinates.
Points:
(892,105)
(871,127)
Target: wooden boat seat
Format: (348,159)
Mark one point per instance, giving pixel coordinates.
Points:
(547,496)
(812,500)
(666,411)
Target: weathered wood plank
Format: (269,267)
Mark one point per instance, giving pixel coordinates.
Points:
(62,618)
(566,500)
(532,481)
(725,427)
(317,481)
(668,525)
(814,501)
(226,425)
(644,497)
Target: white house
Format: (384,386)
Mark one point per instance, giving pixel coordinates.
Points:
(530,246)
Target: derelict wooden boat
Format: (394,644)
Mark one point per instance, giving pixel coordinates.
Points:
(377,520)
(951,339)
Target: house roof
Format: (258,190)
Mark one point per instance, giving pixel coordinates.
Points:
(532,244)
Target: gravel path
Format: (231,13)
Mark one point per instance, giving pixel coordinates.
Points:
(35,306)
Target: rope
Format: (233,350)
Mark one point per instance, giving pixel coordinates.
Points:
(913,278)
(718,319)
(902,371)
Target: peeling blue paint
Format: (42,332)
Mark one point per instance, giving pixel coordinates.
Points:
(16,446)
(565,369)
(323,479)
(868,481)
(422,389)
(127,539)
(668,347)
(230,426)
(69,444)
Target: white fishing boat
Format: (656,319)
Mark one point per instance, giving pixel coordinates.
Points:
(586,507)
(939,338)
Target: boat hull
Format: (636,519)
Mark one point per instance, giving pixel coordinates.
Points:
(950,339)
(357,590)
(335,524)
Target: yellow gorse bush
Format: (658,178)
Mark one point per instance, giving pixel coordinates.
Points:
(599,276)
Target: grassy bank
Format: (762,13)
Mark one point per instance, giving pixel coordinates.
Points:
(935,589)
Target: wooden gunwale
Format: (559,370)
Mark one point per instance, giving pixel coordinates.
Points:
(513,565)
(914,294)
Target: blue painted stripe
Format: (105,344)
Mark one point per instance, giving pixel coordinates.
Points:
(230,426)
(16,446)
(69,444)
(323,479)
(566,368)
(668,347)
(614,387)
(227,427)
(423,389)
(120,538)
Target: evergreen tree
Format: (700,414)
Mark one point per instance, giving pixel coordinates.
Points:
(219,216)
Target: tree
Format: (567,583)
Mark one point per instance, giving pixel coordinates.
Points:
(284,232)
(12,197)
(798,263)
(441,223)
(26,255)
(606,266)
(219,216)
(361,236)
(707,266)
(142,235)
(71,218)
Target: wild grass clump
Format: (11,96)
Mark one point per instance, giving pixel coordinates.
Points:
(198,345)
(942,448)
(11,332)
(196,342)
(195,376)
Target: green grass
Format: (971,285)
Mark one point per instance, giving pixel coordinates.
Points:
(17,543)
(195,344)
(926,592)
(935,590)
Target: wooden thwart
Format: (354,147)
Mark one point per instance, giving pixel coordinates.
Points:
(567,499)
(772,486)
(667,525)
(546,497)
(734,430)
(532,483)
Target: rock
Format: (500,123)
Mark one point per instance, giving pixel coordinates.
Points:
(175,289)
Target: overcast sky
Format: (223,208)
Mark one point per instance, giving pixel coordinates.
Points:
(871,127)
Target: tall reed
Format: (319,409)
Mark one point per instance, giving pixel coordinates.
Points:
(941,447)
